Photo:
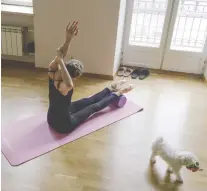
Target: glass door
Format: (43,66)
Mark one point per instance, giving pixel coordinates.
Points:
(166,34)
(186,46)
(145,32)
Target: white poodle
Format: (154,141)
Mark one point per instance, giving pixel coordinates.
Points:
(174,158)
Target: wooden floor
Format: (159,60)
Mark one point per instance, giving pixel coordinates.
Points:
(115,158)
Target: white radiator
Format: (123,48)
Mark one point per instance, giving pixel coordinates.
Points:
(11,40)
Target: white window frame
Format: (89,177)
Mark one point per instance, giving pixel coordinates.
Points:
(27,3)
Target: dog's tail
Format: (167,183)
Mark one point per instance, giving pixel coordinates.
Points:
(157,143)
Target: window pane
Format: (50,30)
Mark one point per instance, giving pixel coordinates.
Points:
(190,29)
(147,22)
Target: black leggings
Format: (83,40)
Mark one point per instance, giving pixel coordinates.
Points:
(82,109)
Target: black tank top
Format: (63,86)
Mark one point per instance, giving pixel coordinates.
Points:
(59,105)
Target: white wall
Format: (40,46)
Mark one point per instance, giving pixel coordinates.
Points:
(205,74)
(205,70)
(96,43)
(119,38)
(12,19)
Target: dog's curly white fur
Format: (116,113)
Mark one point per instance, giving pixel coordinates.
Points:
(174,158)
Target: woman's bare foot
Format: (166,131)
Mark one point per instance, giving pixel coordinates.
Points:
(125,89)
(115,86)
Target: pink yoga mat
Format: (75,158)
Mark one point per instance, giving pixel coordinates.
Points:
(29,138)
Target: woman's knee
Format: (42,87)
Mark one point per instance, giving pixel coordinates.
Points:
(96,107)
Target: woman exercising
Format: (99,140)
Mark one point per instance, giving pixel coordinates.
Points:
(63,115)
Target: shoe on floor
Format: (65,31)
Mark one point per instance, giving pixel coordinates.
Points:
(121,71)
(135,73)
(127,72)
(143,74)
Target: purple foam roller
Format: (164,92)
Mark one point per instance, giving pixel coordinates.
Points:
(121,101)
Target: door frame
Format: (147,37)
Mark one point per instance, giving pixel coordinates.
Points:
(185,55)
(130,48)
(170,19)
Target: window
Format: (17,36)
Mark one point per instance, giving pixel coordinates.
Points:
(147,22)
(27,3)
(190,29)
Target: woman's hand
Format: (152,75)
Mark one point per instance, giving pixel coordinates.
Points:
(71,31)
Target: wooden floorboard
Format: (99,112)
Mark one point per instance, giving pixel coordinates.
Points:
(116,158)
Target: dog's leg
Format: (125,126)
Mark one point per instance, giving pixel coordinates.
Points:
(169,169)
(152,158)
(178,175)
